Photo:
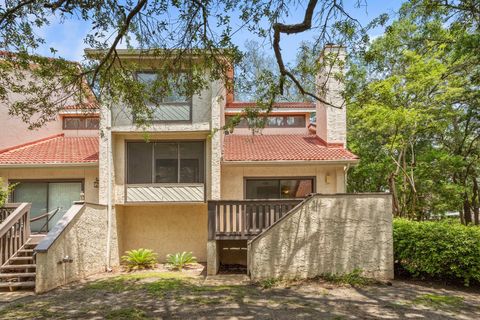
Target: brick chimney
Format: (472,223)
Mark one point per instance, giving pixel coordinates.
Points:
(331,121)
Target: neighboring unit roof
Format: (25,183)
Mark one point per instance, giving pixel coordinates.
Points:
(277,105)
(56,149)
(282,148)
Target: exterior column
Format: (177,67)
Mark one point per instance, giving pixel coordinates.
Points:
(213,259)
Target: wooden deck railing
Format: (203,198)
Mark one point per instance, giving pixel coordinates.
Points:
(244,219)
(14,229)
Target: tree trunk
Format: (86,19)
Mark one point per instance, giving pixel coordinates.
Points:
(393,190)
(476,201)
(467,210)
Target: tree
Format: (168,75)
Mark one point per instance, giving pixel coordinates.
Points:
(197,33)
(414,115)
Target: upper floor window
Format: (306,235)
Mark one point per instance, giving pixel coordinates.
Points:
(165,162)
(81,123)
(286,121)
(167,97)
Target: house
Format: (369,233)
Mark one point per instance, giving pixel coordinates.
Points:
(186,188)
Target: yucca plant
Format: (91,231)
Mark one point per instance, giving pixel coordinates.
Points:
(180,260)
(140,259)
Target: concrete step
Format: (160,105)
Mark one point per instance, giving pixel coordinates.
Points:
(20,284)
(18,266)
(17,275)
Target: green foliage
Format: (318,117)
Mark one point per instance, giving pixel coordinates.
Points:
(180,260)
(354,278)
(438,302)
(413,113)
(269,283)
(444,249)
(140,259)
(5,192)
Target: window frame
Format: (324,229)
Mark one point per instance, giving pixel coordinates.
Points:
(47,181)
(189,102)
(267,126)
(204,149)
(84,118)
(312,178)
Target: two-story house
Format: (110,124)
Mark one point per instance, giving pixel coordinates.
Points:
(188,187)
(161,189)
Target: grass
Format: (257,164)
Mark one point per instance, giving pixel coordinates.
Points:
(438,301)
(126,313)
(354,278)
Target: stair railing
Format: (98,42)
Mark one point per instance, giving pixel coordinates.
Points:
(14,230)
(47,216)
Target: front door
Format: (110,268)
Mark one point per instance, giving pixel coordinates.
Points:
(46,196)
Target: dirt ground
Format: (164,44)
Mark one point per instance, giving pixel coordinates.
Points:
(164,294)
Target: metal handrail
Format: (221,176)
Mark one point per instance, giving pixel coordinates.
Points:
(48,215)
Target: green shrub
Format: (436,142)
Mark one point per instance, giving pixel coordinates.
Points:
(180,260)
(354,278)
(5,192)
(445,250)
(140,259)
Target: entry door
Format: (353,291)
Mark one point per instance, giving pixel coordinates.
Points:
(47,196)
(62,195)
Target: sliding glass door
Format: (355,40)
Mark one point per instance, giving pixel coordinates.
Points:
(46,196)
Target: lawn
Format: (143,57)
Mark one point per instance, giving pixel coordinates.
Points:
(175,295)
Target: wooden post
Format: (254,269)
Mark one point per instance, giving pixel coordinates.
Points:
(211,219)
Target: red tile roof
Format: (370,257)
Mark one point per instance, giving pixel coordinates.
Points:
(282,147)
(56,149)
(280,105)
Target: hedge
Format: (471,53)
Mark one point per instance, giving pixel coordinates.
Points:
(445,250)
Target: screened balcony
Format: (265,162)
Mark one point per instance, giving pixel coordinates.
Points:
(165,171)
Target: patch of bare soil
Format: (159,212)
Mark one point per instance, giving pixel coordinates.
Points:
(165,294)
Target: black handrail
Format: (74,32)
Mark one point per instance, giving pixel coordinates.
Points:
(48,216)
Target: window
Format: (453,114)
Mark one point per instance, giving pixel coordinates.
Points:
(276,122)
(165,162)
(81,123)
(167,98)
(278,188)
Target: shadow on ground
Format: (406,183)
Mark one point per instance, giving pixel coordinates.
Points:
(174,295)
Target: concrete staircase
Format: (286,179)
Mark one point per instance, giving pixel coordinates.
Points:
(19,271)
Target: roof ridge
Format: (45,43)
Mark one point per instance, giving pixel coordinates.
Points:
(26,144)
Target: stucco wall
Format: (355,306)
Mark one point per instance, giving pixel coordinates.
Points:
(327,234)
(80,235)
(88,174)
(332,121)
(233,177)
(164,228)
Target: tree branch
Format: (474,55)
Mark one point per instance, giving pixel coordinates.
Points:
(278,29)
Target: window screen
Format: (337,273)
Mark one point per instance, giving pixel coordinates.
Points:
(278,188)
(166,162)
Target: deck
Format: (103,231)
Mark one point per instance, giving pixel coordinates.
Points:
(244,219)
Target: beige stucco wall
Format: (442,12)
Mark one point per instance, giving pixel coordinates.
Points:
(88,174)
(328,234)
(233,177)
(164,228)
(83,239)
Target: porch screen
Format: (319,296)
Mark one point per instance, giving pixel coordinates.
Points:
(278,188)
(165,162)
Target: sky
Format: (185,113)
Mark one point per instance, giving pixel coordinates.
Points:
(67,37)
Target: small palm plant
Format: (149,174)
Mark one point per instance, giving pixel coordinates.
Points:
(140,259)
(180,260)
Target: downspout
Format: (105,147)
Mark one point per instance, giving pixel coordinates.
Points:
(109,197)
